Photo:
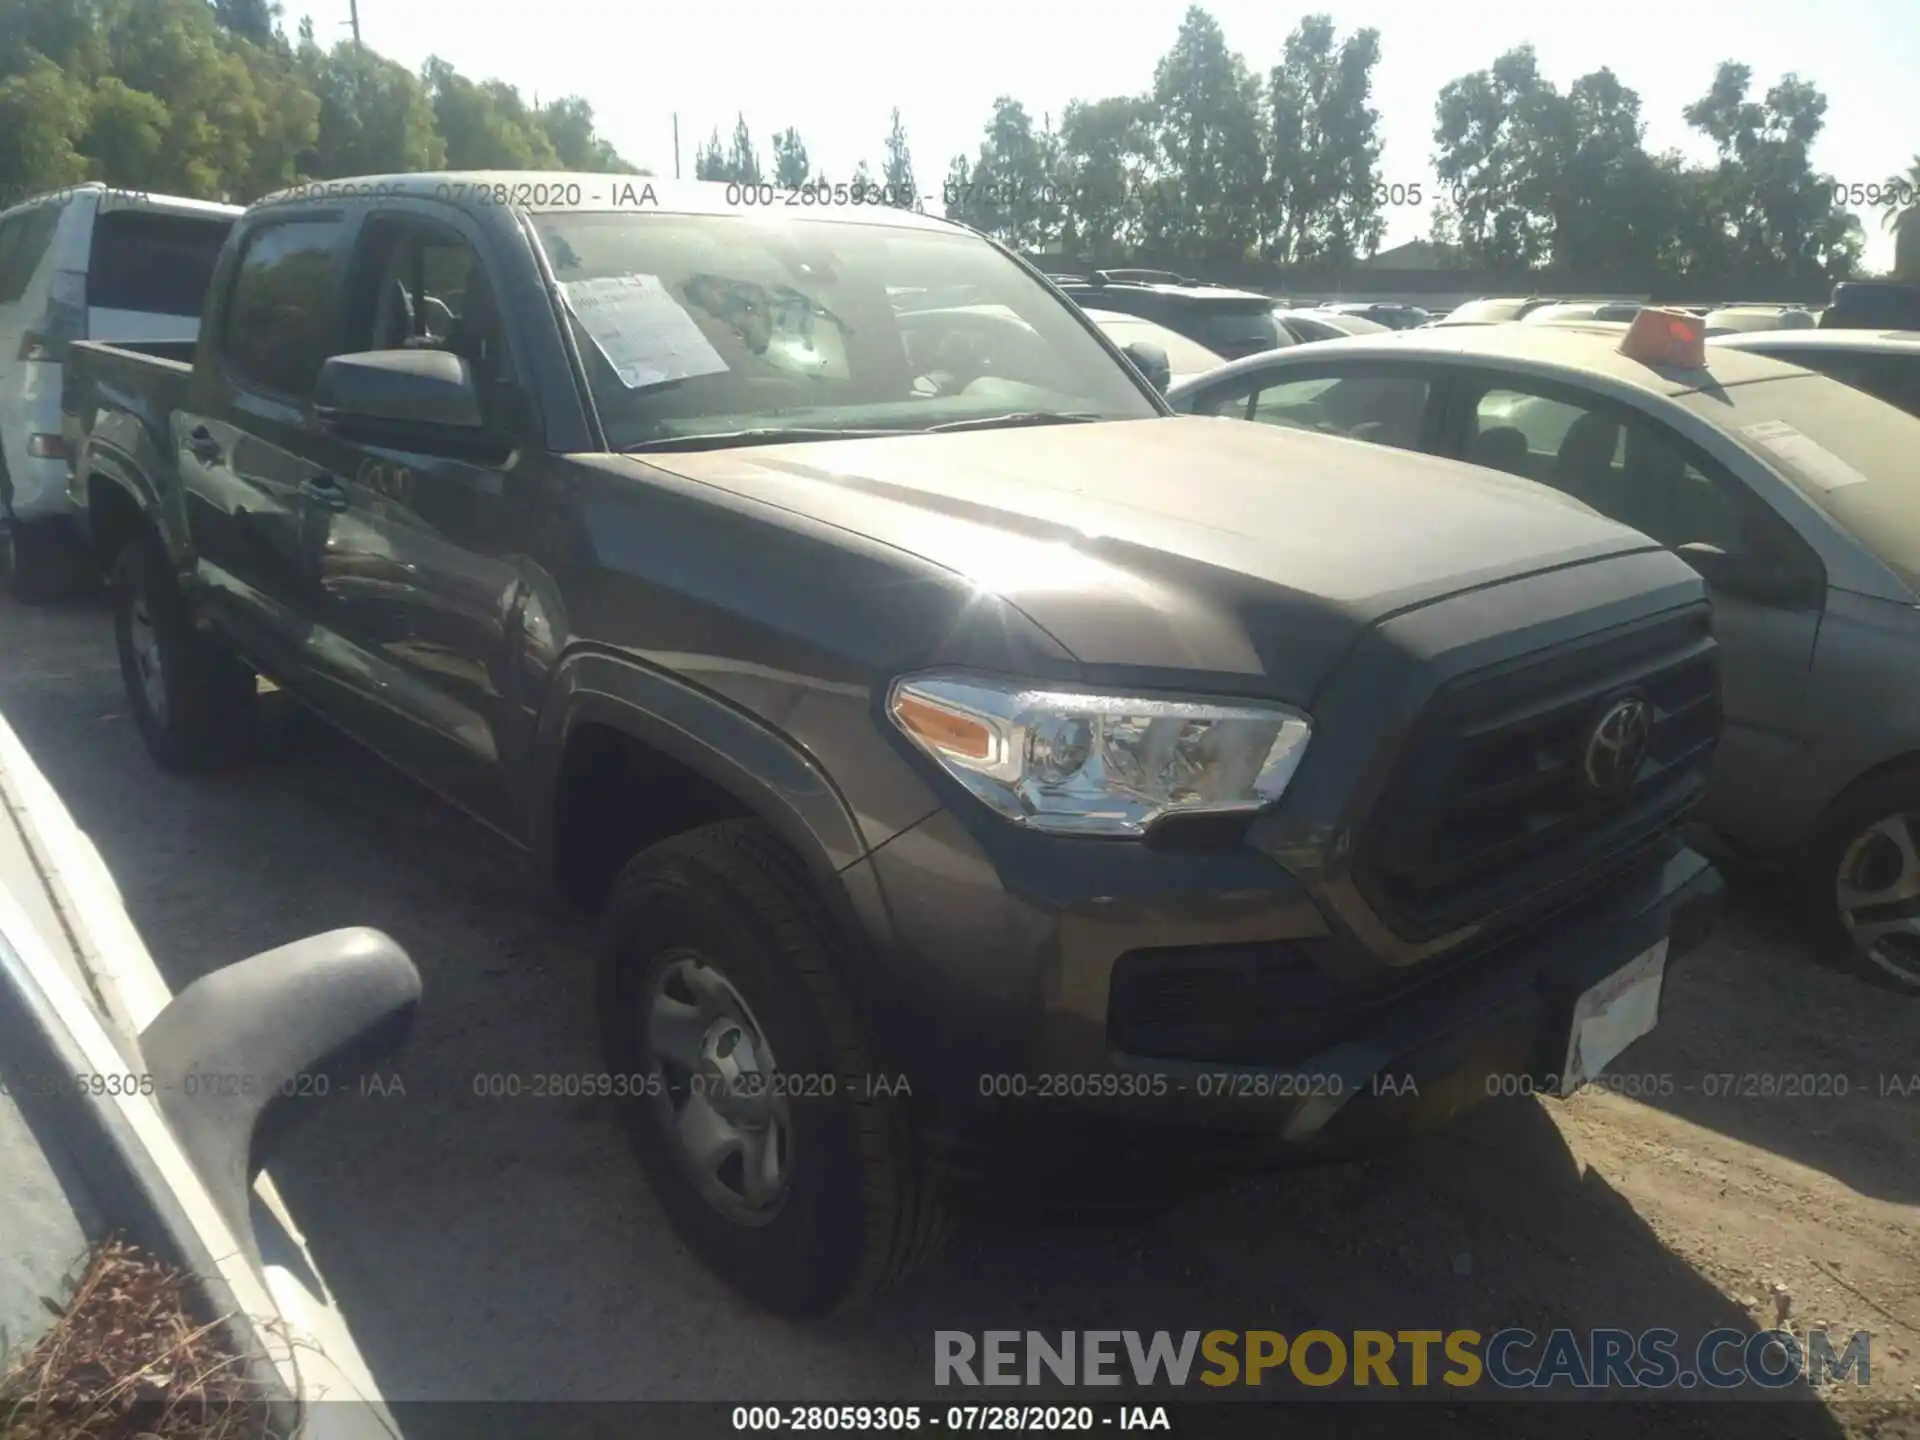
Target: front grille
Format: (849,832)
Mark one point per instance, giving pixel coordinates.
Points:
(1486,811)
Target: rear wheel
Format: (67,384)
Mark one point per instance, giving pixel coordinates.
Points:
(192,699)
(747,1077)
(1864,880)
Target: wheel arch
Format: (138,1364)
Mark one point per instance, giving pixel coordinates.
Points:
(723,762)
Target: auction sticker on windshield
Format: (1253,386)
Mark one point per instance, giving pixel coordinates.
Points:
(1815,461)
(1612,1015)
(645,334)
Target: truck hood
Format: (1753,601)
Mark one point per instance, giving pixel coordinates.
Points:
(1183,543)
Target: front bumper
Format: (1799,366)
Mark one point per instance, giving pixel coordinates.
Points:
(1006,995)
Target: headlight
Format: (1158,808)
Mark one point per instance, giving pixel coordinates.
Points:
(1093,764)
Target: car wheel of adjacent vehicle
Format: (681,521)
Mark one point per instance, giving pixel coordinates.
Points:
(192,699)
(1865,881)
(748,1088)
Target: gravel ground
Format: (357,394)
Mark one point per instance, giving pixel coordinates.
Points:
(508,1248)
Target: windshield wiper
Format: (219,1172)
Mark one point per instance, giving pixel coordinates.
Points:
(1009,421)
(725,439)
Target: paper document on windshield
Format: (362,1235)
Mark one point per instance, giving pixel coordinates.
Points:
(1815,461)
(646,335)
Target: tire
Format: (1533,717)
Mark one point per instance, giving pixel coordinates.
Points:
(200,718)
(1860,854)
(855,1208)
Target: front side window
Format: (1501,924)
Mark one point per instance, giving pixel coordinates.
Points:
(700,325)
(421,286)
(279,316)
(1380,409)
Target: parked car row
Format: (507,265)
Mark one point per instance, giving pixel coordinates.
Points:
(841,612)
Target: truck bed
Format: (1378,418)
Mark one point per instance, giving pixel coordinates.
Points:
(122,398)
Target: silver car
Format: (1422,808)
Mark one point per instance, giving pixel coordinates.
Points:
(1797,497)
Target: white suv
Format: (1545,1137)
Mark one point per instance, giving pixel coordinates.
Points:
(87,263)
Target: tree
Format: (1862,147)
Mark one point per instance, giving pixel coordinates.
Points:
(790,167)
(1322,194)
(896,171)
(1495,163)
(1004,193)
(486,125)
(1769,202)
(710,160)
(569,126)
(1207,134)
(1106,155)
(42,114)
(376,116)
(255,20)
(743,161)
(1901,197)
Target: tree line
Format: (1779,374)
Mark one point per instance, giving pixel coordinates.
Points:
(1214,161)
(184,97)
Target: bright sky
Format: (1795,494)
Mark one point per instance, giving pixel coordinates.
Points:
(835,68)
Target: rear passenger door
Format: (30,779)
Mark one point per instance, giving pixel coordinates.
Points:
(1642,472)
(245,444)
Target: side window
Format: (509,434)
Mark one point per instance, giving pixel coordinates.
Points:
(23,243)
(1680,496)
(279,312)
(1574,448)
(1381,409)
(420,286)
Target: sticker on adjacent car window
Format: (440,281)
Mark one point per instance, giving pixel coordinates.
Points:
(1809,457)
(645,334)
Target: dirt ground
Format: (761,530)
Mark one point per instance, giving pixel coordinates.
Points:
(508,1249)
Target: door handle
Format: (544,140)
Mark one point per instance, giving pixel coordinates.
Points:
(325,491)
(202,446)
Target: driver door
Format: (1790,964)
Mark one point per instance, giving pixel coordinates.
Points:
(420,576)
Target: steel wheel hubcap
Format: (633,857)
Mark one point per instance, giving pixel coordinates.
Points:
(145,643)
(719,1095)
(1878,892)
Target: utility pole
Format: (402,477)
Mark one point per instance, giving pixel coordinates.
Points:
(353,9)
(676,144)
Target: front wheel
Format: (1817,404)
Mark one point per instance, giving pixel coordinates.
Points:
(192,700)
(748,1084)
(1864,881)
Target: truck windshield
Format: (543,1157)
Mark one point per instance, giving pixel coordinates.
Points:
(692,325)
(1846,451)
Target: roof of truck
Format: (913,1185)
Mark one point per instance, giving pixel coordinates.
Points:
(563,191)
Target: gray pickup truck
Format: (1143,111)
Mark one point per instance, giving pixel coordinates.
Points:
(982,773)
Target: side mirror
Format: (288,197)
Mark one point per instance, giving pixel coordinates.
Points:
(243,1050)
(399,390)
(1152,362)
(1749,576)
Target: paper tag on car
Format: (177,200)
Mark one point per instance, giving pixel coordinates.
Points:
(1809,457)
(645,334)
(1612,1015)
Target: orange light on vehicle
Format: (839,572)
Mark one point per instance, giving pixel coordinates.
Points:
(1671,338)
(959,734)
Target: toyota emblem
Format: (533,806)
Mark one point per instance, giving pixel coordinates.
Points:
(1616,747)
